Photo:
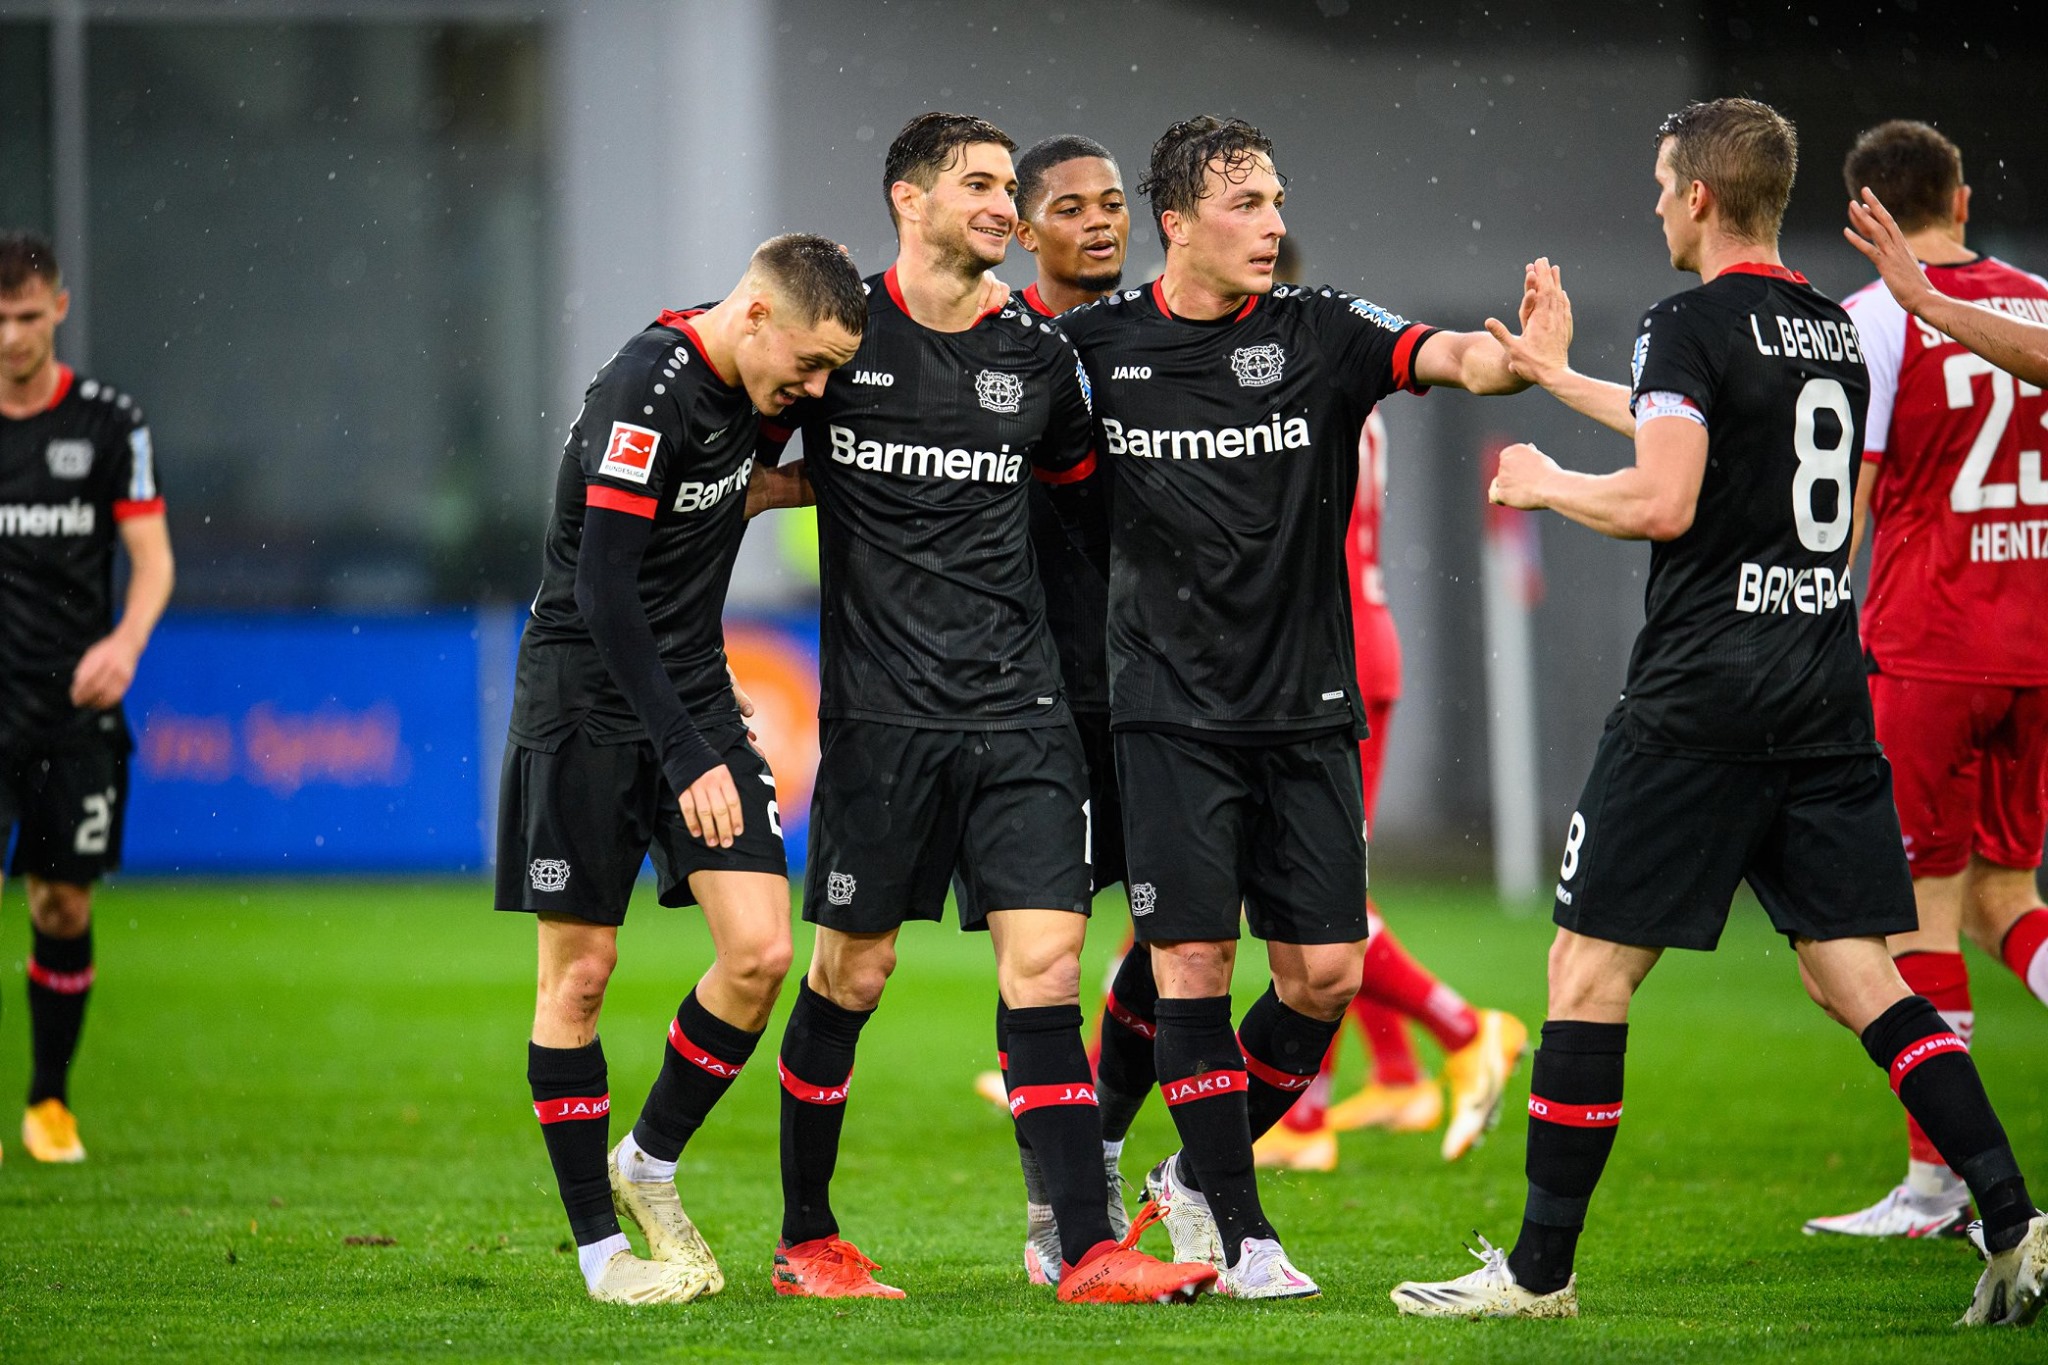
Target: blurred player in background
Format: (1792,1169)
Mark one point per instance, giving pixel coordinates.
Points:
(1743,746)
(1952,622)
(628,737)
(1480,1047)
(77,473)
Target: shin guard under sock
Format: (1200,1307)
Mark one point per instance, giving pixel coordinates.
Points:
(1283,1050)
(59,980)
(1574,1110)
(1203,1081)
(1052,1099)
(572,1099)
(816,1067)
(1127,1070)
(1936,1080)
(702,1060)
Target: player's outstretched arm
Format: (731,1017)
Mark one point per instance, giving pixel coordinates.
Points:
(1652,499)
(1605,403)
(104,672)
(2015,345)
(1478,362)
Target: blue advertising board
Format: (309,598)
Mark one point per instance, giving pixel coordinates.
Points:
(307,744)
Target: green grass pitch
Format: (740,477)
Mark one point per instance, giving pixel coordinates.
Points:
(272,1071)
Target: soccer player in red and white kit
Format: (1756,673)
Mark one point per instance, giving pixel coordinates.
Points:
(1951,622)
(77,473)
(1481,1047)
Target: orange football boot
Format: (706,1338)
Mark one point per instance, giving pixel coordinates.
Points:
(1117,1272)
(828,1268)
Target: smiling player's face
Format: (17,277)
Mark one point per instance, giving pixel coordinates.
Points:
(971,209)
(1233,238)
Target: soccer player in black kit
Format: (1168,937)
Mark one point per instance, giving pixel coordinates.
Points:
(948,751)
(77,473)
(627,737)
(1743,745)
(1229,412)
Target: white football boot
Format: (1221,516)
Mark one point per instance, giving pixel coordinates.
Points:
(1264,1272)
(629,1279)
(672,1238)
(1488,1292)
(1186,1214)
(1904,1212)
(2014,1284)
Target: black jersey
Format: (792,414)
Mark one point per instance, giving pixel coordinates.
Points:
(1076,593)
(920,452)
(1749,649)
(67,476)
(1234,449)
(661,435)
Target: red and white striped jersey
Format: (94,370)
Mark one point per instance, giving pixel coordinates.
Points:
(1959,562)
(1372,624)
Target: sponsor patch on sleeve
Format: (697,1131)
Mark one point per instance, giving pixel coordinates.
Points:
(630,453)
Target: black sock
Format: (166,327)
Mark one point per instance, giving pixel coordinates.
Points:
(1283,1050)
(572,1099)
(1128,1070)
(1202,1079)
(1574,1109)
(1052,1098)
(1035,1190)
(1937,1082)
(59,980)
(817,1068)
(702,1060)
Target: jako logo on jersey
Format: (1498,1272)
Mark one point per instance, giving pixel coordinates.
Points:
(698,496)
(1258,366)
(839,888)
(548,874)
(1784,591)
(1131,372)
(997,391)
(630,452)
(69,459)
(1144,898)
(930,462)
(881,379)
(72,518)
(1230,442)
(1378,316)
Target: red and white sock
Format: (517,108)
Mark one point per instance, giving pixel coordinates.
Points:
(2025,950)
(1944,978)
(1395,979)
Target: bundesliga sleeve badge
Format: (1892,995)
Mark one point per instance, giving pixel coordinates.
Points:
(630,452)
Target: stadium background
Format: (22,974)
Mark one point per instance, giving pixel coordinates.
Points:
(358,260)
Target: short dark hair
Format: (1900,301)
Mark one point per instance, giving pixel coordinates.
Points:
(816,276)
(1745,152)
(929,144)
(24,255)
(1040,158)
(1178,178)
(1911,167)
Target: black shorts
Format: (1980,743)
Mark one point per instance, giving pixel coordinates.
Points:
(1276,828)
(575,824)
(66,802)
(1105,808)
(899,812)
(1658,844)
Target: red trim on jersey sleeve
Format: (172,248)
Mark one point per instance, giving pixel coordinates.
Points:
(65,375)
(1873,457)
(1404,356)
(618,500)
(126,510)
(1072,474)
(1776,272)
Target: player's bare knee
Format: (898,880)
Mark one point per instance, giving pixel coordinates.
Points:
(59,909)
(852,980)
(1194,969)
(1030,980)
(757,967)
